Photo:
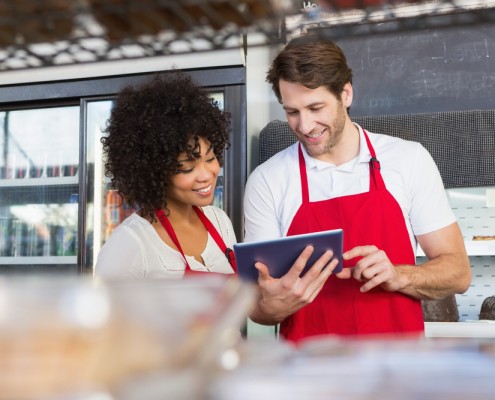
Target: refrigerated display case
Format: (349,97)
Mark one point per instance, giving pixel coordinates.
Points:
(39,188)
(56,206)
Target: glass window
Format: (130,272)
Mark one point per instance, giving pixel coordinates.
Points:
(39,187)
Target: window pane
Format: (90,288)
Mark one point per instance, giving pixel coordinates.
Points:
(39,164)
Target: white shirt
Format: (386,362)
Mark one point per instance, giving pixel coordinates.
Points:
(273,190)
(134,250)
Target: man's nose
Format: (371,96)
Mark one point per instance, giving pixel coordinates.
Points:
(306,123)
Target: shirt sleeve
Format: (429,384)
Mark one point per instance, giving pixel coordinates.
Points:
(430,208)
(122,256)
(260,210)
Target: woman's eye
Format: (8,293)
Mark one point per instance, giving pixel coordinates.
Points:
(183,171)
(211,159)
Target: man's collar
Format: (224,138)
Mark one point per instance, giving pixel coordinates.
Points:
(364,153)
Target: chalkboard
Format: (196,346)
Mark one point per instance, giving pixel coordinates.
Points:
(434,70)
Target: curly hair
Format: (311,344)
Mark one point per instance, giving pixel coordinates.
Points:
(149,126)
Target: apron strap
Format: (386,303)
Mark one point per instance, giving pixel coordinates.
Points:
(304,176)
(209,227)
(376,180)
(170,230)
(229,253)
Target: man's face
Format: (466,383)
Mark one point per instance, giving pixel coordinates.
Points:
(316,116)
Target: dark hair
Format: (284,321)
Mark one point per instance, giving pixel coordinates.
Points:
(149,126)
(313,61)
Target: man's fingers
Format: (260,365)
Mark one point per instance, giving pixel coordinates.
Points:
(263,273)
(346,273)
(323,266)
(299,264)
(359,251)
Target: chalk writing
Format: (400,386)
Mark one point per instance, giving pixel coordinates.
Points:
(309,4)
(445,69)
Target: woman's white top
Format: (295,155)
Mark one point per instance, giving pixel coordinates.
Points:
(135,250)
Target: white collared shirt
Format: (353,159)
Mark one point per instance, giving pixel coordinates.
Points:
(273,191)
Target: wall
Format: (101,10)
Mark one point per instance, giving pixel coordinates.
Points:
(262,105)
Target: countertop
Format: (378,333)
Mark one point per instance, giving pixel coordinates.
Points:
(467,329)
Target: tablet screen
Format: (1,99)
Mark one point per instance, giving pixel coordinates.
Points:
(280,254)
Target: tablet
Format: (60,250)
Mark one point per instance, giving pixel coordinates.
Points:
(280,254)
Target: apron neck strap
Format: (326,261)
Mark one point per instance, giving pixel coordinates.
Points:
(160,214)
(229,253)
(304,175)
(376,180)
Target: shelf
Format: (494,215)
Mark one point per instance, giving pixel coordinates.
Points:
(34,182)
(38,260)
(473,248)
(471,329)
(63,190)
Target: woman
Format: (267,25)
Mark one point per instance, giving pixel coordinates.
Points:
(164,147)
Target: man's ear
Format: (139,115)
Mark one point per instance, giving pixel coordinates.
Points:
(347,95)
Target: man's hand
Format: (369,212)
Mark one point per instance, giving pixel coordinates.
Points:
(282,297)
(374,269)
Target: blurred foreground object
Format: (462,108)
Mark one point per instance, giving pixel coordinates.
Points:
(367,368)
(62,336)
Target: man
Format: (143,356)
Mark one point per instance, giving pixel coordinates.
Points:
(386,194)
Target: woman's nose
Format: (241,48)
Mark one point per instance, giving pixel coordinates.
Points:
(206,171)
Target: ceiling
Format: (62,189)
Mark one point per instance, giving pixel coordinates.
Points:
(38,33)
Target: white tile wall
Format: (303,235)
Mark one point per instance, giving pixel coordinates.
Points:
(475,211)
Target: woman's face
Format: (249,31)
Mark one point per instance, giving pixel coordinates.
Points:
(195,179)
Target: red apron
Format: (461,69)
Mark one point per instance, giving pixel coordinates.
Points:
(370,218)
(229,253)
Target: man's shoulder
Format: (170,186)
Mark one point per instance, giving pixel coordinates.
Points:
(394,145)
(400,154)
(275,170)
(280,160)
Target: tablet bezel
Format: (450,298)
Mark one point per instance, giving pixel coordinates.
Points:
(280,254)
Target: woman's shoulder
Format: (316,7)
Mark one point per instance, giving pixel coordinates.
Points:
(124,251)
(133,227)
(219,218)
(213,212)
(222,222)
